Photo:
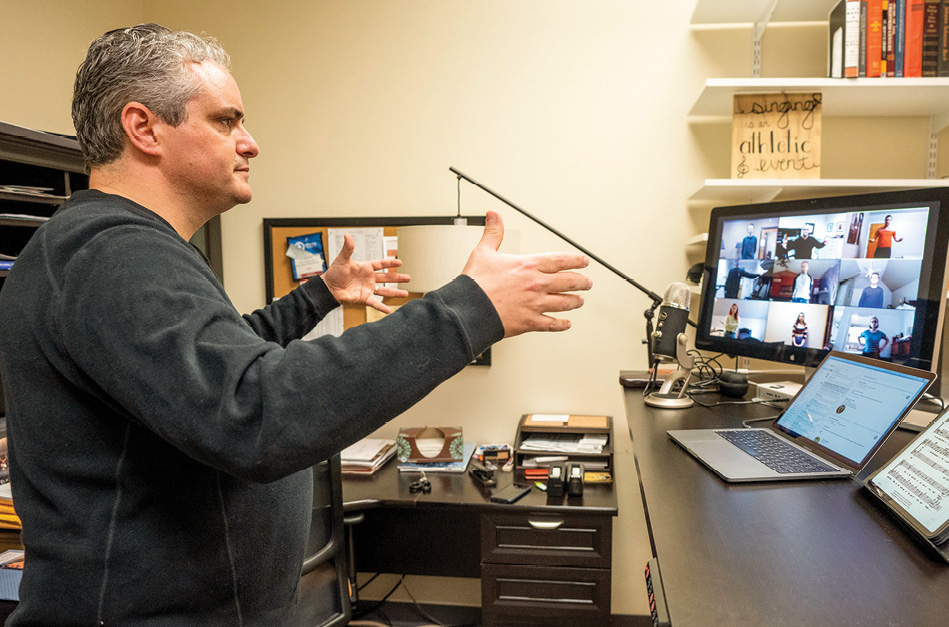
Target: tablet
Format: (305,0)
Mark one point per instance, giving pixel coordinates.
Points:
(915,483)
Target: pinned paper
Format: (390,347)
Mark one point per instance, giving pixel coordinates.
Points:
(306,255)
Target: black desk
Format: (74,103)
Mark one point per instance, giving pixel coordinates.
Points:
(525,553)
(785,553)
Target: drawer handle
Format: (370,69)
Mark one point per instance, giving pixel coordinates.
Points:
(545,525)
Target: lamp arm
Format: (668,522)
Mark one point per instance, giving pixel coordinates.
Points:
(656,299)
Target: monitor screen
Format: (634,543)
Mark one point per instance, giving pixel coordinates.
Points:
(789,281)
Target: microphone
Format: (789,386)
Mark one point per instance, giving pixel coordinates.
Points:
(670,343)
(673,318)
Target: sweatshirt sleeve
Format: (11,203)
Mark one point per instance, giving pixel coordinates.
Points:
(294,315)
(158,336)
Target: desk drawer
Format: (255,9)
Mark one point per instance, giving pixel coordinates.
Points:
(547,539)
(544,595)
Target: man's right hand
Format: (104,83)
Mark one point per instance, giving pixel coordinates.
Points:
(524,288)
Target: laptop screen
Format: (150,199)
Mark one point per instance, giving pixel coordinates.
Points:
(850,404)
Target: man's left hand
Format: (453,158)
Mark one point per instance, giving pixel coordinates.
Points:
(354,282)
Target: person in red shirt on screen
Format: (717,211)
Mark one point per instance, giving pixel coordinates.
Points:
(884,238)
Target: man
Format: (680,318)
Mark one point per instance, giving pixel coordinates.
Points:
(802,247)
(749,245)
(884,238)
(733,279)
(873,340)
(161,443)
(803,284)
(872,295)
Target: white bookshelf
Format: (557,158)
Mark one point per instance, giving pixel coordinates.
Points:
(738,191)
(899,97)
(860,97)
(713,12)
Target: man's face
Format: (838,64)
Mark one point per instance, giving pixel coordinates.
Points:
(207,156)
(805,231)
(874,279)
(874,323)
(803,267)
(751,229)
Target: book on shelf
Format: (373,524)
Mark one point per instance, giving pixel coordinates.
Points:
(836,24)
(366,456)
(899,36)
(864,31)
(942,62)
(851,39)
(913,39)
(884,34)
(874,36)
(930,59)
(891,39)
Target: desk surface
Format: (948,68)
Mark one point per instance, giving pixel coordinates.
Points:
(388,487)
(784,553)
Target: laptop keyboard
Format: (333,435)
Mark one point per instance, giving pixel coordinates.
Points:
(773,452)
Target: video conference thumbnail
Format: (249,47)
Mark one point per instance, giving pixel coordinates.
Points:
(847,281)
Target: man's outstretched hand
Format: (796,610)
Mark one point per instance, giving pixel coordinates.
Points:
(525,288)
(354,282)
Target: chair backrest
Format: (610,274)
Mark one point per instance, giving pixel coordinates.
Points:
(324,585)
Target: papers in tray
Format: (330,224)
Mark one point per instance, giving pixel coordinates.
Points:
(367,455)
(565,442)
(545,461)
(459,466)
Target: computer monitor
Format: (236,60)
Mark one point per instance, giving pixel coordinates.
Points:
(789,281)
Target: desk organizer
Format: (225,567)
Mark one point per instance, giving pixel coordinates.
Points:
(570,427)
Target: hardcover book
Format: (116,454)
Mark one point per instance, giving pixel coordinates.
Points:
(931,38)
(913,39)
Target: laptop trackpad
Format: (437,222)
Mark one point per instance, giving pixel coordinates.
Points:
(722,456)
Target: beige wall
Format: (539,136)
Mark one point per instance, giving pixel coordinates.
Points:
(574,110)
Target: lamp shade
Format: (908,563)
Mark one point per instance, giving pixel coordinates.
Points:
(433,255)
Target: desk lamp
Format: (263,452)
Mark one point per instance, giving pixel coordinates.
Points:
(656,299)
(433,255)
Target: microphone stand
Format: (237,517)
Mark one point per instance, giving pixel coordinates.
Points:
(656,299)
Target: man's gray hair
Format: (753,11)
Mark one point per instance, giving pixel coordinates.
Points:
(147,63)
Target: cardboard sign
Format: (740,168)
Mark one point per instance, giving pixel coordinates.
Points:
(776,136)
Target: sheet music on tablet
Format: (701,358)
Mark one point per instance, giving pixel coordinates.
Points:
(916,481)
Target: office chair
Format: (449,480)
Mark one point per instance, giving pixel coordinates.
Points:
(324,585)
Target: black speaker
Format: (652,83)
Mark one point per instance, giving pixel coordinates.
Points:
(732,383)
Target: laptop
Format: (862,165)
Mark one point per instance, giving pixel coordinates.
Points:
(831,428)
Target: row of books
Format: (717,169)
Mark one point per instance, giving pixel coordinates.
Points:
(889,38)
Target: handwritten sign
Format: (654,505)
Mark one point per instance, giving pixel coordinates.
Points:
(776,136)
